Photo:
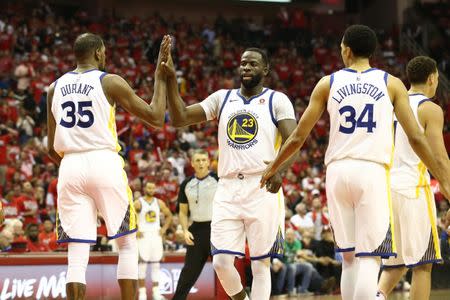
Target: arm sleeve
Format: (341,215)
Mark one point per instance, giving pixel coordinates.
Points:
(211,105)
(283,108)
(182,198)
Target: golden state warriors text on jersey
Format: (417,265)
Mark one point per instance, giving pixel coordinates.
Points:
(242,129)
(248,132)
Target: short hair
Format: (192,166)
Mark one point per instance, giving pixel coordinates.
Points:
(263,53)
(86,44)
(200,151)
(420,68)
(361,39)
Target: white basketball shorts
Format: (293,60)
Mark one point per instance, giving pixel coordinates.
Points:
(242,210)
(91,182)
(150,247)
(359,204)
(415,228)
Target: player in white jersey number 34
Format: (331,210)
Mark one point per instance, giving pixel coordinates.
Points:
(361,102)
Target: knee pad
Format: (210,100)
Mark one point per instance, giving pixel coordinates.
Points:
(127,267)
(78,258)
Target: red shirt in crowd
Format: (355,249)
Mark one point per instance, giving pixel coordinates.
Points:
(10,210)
(37,247)
(48,239)
(27,204)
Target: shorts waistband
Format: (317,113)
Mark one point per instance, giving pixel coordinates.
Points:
(90,151)
(241,175)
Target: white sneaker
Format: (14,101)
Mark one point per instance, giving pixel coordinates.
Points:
(406,286)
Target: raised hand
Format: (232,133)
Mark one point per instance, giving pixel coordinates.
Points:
(164,52)
(169,68)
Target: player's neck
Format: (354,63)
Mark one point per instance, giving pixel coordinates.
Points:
(359,64)
(85,66)
(149,198)
(419,89)
(248,93)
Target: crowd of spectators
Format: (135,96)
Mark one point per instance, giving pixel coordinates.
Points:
(35,49)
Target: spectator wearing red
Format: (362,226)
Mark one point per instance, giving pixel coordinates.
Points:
(27,204)
(33,242)
(47,235)
(167,189)
(10,210)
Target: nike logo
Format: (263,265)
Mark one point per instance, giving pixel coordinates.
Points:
(234,100)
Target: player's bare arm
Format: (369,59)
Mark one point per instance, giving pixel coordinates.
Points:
(417,140)
(51,127)
(316,106)
(285,127)
(188,237)
(180,115)
(167,217)
(119,91)
(431,118)
(137,206)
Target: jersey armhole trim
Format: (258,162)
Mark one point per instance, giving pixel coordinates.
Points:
(386,77)
(54,86)
(423,101)
(102,75)
(275,122)
(331,79)
(223,104)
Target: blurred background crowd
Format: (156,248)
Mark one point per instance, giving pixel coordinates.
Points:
(35,49)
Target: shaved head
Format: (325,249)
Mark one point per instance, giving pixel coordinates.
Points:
(86,44)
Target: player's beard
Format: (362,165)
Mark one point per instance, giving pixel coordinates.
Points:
(249,84)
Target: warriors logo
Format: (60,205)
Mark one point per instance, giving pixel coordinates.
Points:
(242,129)
(150,217)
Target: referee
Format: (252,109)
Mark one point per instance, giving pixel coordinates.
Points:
(196,196)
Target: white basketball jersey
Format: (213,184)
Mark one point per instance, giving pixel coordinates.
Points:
(149,216)
(361,117)
(408,171)
(84,118)
(248,133)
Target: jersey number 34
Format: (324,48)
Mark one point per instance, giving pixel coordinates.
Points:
(80,115)
(365,119)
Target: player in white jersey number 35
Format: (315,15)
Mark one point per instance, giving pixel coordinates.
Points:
(82,140)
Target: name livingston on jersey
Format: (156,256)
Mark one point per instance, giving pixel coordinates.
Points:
(242,128)
(358,88)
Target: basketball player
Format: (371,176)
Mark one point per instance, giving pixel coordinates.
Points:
(82,140)
(360,101)
(413,202)
(150,242)
(253,122)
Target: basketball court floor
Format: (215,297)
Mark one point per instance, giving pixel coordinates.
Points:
(435,295)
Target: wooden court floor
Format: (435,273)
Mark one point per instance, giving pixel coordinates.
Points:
(435,295)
